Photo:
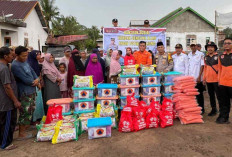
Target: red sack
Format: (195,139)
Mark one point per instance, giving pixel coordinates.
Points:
(126,122)
(167,105)
(152,121)
(132,101)
(157,105)
(139,112)
(166,119)
(54,114)
(139,124)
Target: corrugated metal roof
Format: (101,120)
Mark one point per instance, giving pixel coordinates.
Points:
(20,9)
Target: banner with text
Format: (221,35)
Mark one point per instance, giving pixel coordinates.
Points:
(118,38)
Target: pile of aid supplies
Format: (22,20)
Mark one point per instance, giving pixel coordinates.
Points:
(154,102)
(185,101)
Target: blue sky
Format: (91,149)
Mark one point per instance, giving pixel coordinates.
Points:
(101,12)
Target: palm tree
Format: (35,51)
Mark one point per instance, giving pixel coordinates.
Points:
(50,11)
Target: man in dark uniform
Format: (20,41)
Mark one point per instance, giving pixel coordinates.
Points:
(146,23)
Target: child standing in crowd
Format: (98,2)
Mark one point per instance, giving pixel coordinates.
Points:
(33,60)
(115,67)
(129,58)
(94,68)
(52,79)
(63,85)
(27,80)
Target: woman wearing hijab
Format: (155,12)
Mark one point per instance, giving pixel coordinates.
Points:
(75,67)
(52,79)
(115,67)
(94,68)
(33,57)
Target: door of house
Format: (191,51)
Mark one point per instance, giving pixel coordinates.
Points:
(7,41)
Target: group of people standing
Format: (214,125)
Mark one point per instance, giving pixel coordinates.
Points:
(32,78)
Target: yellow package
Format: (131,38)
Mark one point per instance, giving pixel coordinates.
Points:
(148,69)
(130,70)
(65,132)
(82,81)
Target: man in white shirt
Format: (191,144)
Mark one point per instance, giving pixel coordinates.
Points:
(180,60)
(196,67)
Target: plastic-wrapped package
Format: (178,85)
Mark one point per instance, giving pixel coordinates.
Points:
(82,81)
(83,120)
(65,132)
(45,132)
(130,70)
(147,69)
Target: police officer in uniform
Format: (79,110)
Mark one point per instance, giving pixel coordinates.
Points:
(163,60)
(112,45)
(180,60)
(196,67)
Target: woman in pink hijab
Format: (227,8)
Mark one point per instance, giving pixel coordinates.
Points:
(52,79)
(94,68)
(115,67)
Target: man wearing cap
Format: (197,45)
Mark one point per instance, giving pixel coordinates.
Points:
(142,56)
(196,67)
(198,46)
(225,81)
(67,55)
(210,75)
(146,23)
(115,22)
(180,60)
(163,60)
(112,45)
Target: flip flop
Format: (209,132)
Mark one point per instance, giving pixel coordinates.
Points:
(25,138)
(10,147)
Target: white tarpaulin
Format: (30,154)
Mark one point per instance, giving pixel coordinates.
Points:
(223,19)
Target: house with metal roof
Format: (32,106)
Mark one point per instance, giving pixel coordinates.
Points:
(186,26)
(22,23)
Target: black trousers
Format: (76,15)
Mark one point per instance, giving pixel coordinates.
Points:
(200,97)
(212,90)
(8,120)
(225,93)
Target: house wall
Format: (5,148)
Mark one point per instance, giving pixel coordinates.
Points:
(34,31)
(185,24)
(180,38)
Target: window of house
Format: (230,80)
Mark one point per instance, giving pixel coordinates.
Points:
(207,40)
(190,39)
(26,44)
(7,41)
(168,41)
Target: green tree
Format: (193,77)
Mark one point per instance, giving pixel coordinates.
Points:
(67,26)
(50,11)
(228,32)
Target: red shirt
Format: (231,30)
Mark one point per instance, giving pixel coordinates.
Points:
(129,60)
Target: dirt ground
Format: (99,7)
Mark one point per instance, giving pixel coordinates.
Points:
(195,140)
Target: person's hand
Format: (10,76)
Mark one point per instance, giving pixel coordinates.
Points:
(165,71)
(204,83)
(58,81)
(39,86)
(35,82)
(198,79)
(17,104)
